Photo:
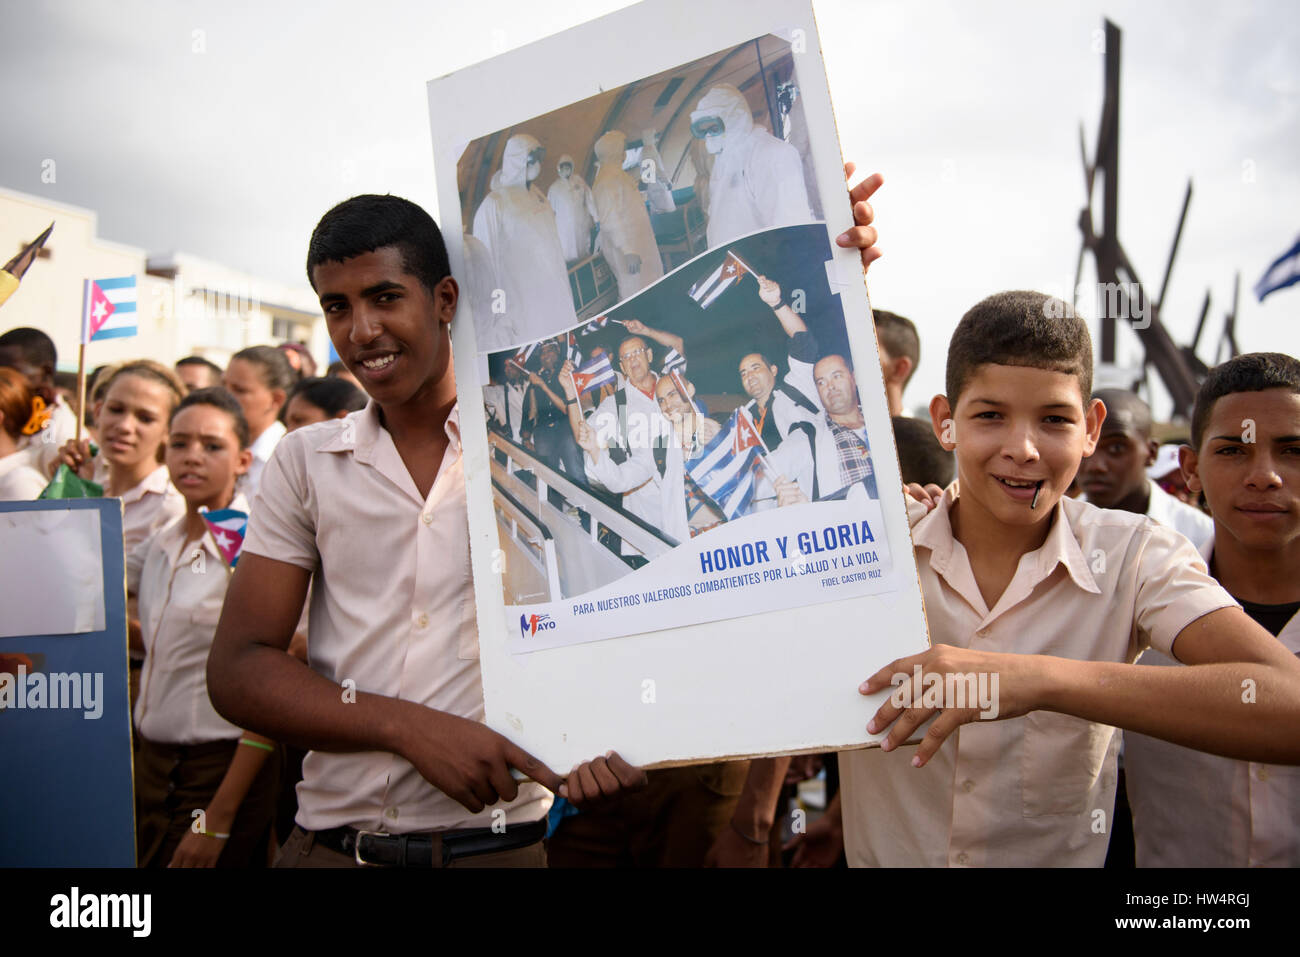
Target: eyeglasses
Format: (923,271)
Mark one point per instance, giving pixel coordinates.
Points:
(632,354)
(536,155)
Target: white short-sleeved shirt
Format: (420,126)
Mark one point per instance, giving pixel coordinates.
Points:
(392,608)
(20,480)
(1195,525)
(181,587)
(1023,791)
(1192,809)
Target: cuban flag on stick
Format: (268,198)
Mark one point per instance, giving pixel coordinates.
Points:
(726,469)
(1284,271)
(729,272)
(108,309)
(595,325)
(596,373)
(227,526)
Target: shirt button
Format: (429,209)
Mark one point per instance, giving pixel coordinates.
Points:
(982,633)
(962,858)
(391,813)
(1262,773)
(423,621)
(427,518)
(968,785)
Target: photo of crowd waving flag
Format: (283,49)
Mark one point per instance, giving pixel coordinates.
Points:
(722,392)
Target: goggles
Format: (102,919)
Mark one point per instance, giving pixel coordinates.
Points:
(707,126)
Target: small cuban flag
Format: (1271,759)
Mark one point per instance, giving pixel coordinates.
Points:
(521,357)
(108,309)
(572,353)
(596,373)
(674,360)
(729,272)
(726,469)
(227,527)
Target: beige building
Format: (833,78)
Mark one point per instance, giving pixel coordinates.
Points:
(185,305)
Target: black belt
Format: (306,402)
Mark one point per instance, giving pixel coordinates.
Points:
(377,849)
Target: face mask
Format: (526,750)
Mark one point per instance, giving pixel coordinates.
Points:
(566,171)
(714,144)
(534,170)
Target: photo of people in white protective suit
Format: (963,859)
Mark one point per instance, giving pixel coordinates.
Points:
(571,213)
(725,393)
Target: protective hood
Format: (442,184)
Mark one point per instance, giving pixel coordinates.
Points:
(514,162)
(611,148)
(729,105)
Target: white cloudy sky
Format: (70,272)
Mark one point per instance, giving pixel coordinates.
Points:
(970,109)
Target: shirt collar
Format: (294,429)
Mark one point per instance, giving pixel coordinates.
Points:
(1061,547)
(362,434)
(155,482)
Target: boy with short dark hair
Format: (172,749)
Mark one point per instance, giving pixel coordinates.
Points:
(1043,603)
(1199,810)
(1115,475)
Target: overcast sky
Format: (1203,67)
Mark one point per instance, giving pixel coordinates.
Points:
(230,142)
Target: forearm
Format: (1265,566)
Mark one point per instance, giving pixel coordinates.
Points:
(756,809)
(790,320)
(243,771)
(1248,711)
(272,693)
(666,339)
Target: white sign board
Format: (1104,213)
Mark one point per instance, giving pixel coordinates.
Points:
(688,534)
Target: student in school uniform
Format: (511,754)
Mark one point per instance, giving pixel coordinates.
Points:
(188,758)
(260,377)
(1056,598)
(370,510)
(139,398)
(1192,809)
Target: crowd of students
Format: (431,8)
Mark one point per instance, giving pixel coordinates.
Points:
(362,518)
(170,443)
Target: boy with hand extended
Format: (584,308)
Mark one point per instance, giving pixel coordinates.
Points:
(1054,599)
(370,509)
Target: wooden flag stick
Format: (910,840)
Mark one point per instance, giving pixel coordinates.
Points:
(81,388)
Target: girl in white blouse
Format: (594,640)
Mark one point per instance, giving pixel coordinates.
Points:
(139,398)
(205,792)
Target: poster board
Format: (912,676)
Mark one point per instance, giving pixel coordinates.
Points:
(65,722)
(604,623)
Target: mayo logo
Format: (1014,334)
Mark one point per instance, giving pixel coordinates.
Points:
(530,625)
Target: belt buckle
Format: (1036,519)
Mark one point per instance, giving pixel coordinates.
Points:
(356,849)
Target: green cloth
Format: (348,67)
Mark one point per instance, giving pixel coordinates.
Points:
(68,484)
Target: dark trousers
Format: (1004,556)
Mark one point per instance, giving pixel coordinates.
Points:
(173,781)
(556,446)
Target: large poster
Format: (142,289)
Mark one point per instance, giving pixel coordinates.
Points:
(683,421)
